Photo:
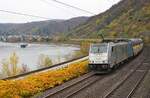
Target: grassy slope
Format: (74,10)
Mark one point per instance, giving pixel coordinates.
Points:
(128,18)
(133,23)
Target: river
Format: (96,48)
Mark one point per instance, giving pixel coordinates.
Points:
(30,55)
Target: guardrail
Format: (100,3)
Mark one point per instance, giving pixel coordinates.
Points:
(41,69)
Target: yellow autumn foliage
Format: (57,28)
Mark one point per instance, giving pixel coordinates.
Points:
(39,82)
(10,66)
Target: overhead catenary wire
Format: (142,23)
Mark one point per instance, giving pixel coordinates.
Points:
(23,14)
(44,1)
(36,16)
(77,8)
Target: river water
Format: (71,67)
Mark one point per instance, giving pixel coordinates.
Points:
(30,55)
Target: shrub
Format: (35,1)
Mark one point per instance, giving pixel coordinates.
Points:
(13,60)
(5,68)
(44,60)
(10,66)
(84,49)
(39,82)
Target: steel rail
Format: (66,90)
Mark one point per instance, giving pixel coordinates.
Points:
(83,87)
(88,84)
(121,82)
(129,75)
(136,85)
(88,75)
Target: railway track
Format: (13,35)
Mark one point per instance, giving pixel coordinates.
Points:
(59,65)
(90,83)
(102,87)
(137,77)
(74,86)
(136,85)
(87,84)
(127,87)
(77,86)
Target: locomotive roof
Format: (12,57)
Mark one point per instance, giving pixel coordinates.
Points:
(115,40)
(118,41)
(110,43)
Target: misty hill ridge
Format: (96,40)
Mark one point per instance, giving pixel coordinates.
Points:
(49,27)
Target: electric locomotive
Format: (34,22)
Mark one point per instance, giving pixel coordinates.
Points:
(111,53)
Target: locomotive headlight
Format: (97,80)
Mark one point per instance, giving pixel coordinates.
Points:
(105,61)
(91,61)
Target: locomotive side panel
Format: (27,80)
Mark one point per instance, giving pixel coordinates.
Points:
(119,53)
(130,50)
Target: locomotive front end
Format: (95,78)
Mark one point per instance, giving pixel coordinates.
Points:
(98,56)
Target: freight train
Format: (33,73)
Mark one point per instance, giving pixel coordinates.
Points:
(110,53)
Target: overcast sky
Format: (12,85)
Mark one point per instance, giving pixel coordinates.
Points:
(51,9)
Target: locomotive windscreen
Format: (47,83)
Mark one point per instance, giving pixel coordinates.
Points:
(101,48)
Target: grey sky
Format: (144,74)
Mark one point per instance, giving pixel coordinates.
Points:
(52,10)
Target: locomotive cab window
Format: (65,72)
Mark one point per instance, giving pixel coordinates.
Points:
(112,49)
(98,49)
